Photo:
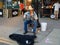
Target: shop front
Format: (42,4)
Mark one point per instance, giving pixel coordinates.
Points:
(44,8)
(8,7)
(1,12)
(14,12)
(1,8)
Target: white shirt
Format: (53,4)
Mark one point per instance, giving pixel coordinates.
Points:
(28,17)
(9,0)
(56,6)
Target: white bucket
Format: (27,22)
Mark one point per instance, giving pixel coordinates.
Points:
(43,26)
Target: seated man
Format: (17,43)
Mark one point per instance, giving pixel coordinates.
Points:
(30,17)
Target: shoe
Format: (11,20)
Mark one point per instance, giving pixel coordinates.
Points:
(24,32)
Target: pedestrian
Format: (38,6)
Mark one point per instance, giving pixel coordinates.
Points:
(30,17)
(21,5)
(56,9)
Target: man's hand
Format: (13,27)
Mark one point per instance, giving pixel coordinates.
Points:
(25,17)
(32,18)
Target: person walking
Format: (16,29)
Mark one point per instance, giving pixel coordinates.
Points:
(56,9)
(21,5)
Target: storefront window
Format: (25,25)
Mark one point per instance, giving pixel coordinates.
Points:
(15,4)
(9,3)
(47,2)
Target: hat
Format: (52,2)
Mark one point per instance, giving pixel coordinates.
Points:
(30,8)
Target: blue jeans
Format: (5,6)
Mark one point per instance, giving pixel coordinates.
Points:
(26,22)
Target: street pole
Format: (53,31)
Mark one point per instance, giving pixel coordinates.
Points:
(38,21)
(37,7)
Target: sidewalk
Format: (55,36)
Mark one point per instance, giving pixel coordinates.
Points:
(15,25)
(52,39)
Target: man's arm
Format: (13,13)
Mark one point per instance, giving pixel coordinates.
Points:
(35,16)
(25,15)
